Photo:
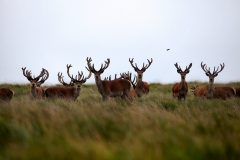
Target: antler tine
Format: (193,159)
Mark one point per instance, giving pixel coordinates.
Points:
(178,67)
(40,75)
(27,73)
(105,65)
(222,67)
(91,67)
(44,76)
(83,80)
(147,65)
(131,62)
(68,67)
(60,77)
(204,67)
(80,76)
(187,68)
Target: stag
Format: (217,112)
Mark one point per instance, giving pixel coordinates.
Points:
(180,89)
(107,88)
(208,90)
(69,91)
(141,86)
(36,91)
(6,94)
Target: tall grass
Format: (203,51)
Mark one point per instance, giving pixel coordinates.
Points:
(155,126)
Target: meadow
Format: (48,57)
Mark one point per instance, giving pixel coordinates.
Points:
(155,126)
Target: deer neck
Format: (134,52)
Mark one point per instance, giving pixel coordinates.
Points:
(33,92)
(139,86)
(99,84)
(76,92)
(210,89)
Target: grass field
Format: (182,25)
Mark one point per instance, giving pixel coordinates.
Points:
(155,126)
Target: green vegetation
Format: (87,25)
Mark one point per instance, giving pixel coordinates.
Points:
(155,126)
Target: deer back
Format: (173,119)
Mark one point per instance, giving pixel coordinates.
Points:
(117,85)
(201,91)
(224,92)
(60,92)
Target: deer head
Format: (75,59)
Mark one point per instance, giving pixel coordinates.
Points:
(183,73)
(214,73)
(34,82)
(144,67)
(79,79)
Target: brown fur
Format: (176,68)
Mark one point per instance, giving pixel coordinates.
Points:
(70,93)
(237,92)
(224,92)
(179,91)
(218,92)
(6,94)
(107,88)
(141,86)
(201,91)
(118,87)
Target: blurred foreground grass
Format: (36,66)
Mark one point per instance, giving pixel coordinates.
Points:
(155,126)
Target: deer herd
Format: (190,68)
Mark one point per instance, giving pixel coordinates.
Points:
(120,86)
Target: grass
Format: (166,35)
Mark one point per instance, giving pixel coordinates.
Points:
(155,126)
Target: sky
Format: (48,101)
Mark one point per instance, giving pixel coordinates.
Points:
(51,34)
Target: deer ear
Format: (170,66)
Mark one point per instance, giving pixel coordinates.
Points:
(207,74)
(215,75)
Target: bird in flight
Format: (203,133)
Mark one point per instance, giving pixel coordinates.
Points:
(168,49)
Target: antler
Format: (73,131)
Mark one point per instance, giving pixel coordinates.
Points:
(80,75)
(215,72)
(27,74)
(60,79)
(105,66)
(144,67)
(44,77)
(92,69)
(179,70)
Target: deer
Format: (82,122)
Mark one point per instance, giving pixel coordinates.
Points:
(107,88)
(6,94)
(36,91)
(141,86)
(211,92)
(180,89)
(68,92)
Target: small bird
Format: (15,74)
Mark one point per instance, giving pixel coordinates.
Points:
(168,49)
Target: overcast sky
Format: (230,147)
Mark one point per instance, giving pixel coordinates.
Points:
(51,34)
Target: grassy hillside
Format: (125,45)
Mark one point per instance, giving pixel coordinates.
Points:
(155,126)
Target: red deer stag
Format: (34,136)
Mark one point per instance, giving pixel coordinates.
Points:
(36,92)
(68,92)
(141,86)
(107,88)
(208,90)
(6,94)
(180,89)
